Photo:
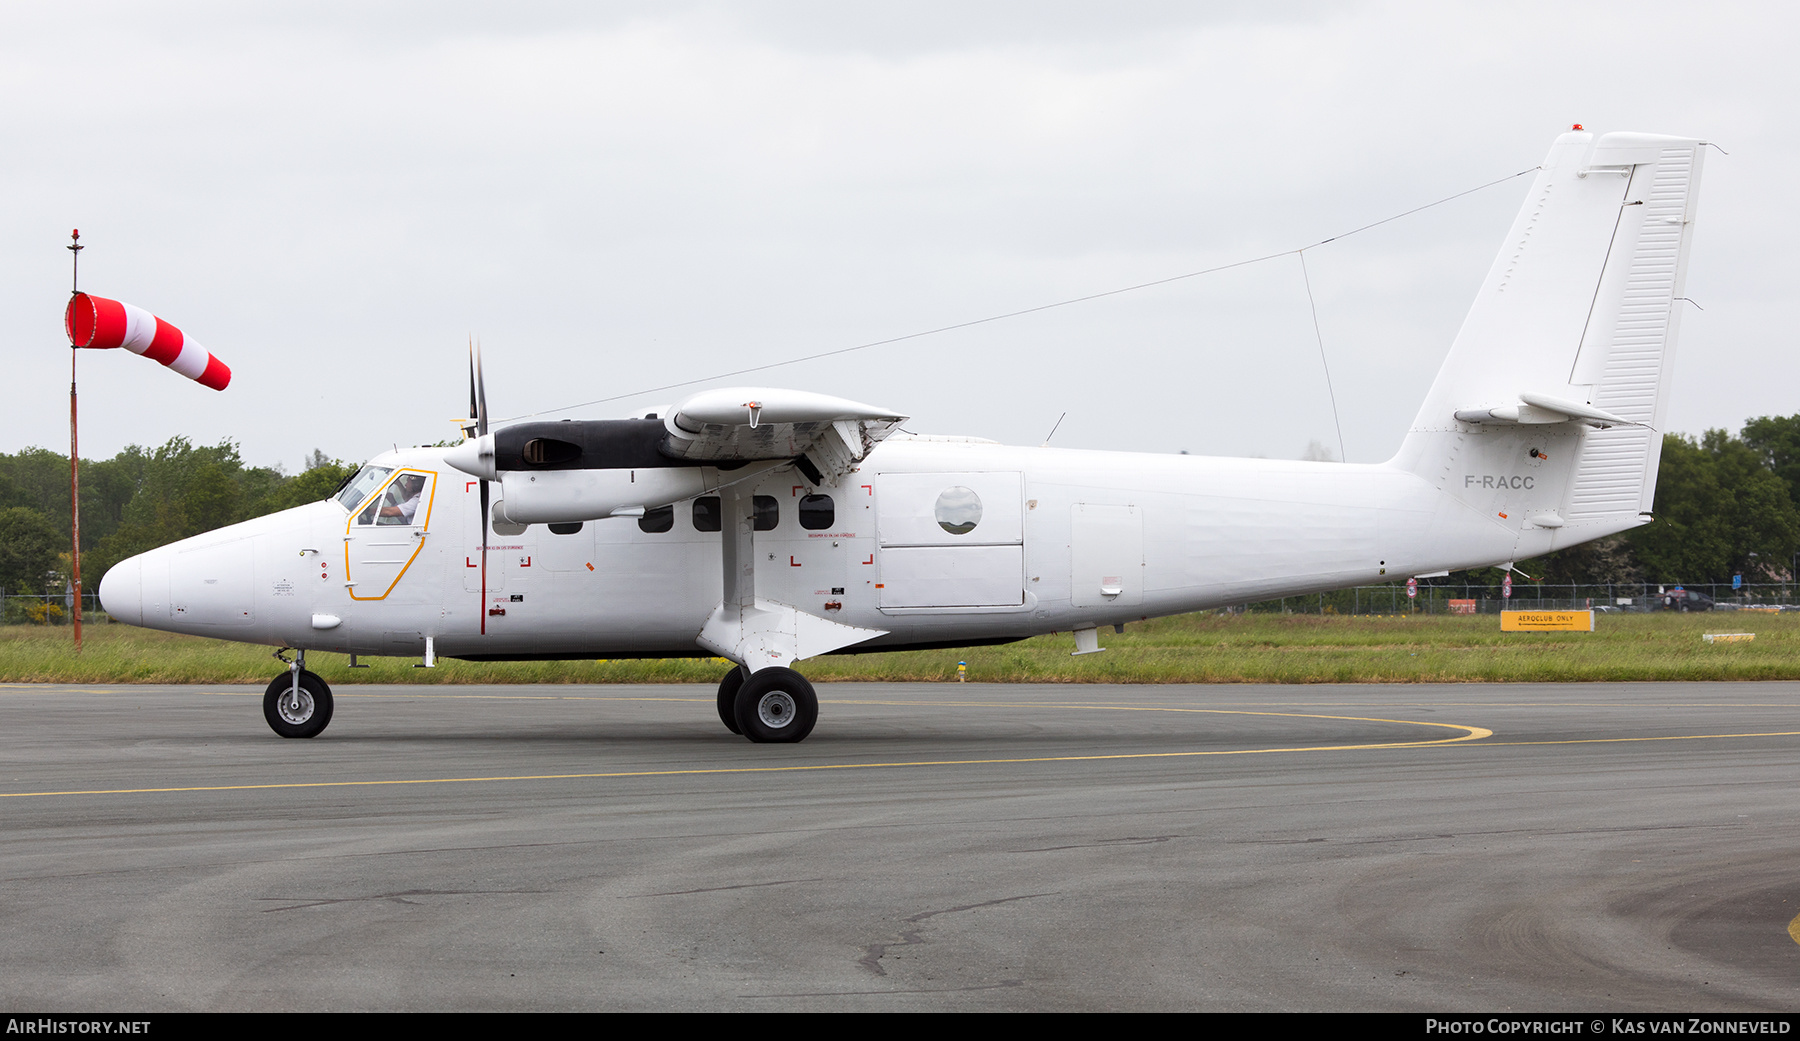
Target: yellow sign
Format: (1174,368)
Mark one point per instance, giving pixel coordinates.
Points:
(1729,637)
(1546,621)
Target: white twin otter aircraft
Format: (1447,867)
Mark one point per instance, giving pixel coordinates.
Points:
(769,526)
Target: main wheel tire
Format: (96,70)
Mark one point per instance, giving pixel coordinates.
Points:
(307,719)
(728,690)
(776,705)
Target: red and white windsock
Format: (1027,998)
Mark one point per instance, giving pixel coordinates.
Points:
(94,321)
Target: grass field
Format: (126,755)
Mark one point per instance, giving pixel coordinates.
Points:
(1198,648)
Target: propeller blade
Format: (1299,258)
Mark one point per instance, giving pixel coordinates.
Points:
(483,608)
(473,414)
(478,417)
(480,392)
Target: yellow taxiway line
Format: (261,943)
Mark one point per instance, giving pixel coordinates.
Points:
(1468,733)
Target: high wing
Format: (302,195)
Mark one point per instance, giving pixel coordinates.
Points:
(583,470)
(826,436)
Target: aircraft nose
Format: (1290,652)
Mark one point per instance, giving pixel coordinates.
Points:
(122,591)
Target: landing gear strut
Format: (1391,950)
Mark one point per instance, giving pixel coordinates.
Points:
(774,703)
(297,703)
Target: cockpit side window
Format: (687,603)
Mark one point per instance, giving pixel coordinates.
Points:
(369,479)
(402,502)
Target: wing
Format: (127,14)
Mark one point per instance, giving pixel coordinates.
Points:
(744,424)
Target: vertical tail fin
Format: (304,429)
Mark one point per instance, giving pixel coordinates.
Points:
(1548,412)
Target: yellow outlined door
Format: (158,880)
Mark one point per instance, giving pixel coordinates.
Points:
(387,532)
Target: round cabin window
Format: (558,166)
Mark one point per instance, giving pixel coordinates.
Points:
(958,510)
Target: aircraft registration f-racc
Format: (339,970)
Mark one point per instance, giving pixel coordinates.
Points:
(769,526)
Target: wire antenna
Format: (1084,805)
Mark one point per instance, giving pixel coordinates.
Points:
(1023,311)
(1345,456)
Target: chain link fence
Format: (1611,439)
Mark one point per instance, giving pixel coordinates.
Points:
(49,609)
(1448,598)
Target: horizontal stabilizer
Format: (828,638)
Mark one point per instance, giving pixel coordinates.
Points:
(1542,408)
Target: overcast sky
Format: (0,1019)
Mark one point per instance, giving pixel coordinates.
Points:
(612,197)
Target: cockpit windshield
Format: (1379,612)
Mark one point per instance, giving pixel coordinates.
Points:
(367,481)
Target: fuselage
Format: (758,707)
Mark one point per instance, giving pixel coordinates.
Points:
(936,541)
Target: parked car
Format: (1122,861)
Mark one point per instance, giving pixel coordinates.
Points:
(1679,599)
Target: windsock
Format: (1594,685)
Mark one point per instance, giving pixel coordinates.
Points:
(97,322)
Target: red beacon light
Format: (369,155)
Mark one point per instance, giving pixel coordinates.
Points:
(1576,127)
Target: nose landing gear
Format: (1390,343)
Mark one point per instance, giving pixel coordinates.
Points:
(297,703)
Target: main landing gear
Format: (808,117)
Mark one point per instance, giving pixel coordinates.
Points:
(772,705)
(297,703)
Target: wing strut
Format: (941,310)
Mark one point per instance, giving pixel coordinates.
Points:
(757,633)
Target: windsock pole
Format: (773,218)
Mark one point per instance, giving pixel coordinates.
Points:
(75,446)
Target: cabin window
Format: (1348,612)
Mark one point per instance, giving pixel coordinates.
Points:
(565,528)
(958,510)
(658,520)
(817,512)
(708,515)
(359,487)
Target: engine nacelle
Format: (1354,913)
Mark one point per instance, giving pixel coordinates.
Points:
(562,496)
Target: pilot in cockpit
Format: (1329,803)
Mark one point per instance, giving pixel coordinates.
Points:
(402,500)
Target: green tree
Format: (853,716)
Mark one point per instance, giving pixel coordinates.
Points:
(29,545)
(180,490)
(1720,510)
(1608,560)
(39,478)
(322,479)
(1776,439)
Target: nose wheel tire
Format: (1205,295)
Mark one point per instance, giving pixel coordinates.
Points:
(305,716)
(776,705)
(728,690)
